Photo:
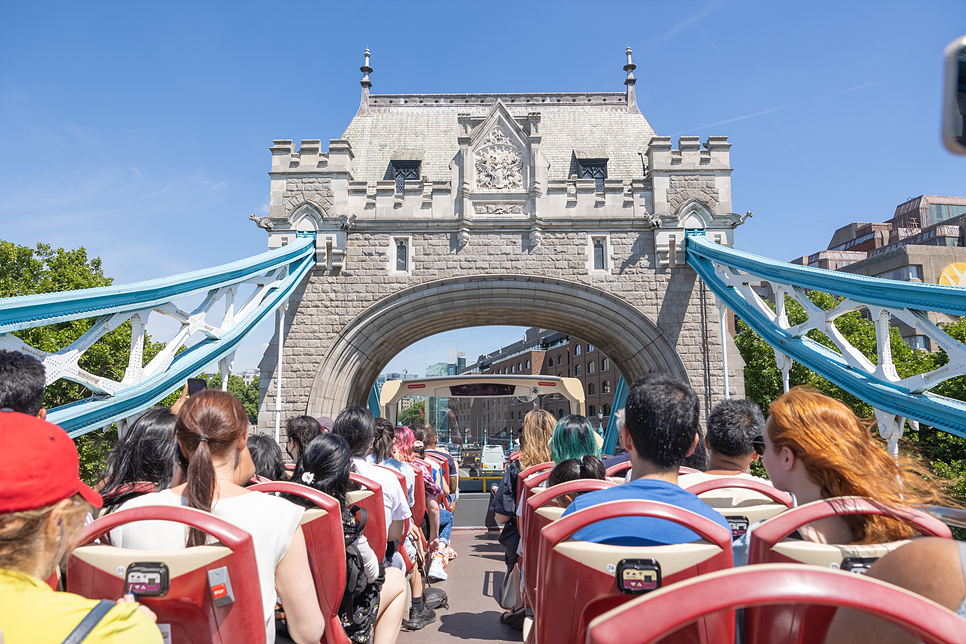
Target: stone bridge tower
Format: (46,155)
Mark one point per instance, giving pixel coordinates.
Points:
(442,211)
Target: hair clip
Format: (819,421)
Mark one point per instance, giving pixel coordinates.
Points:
(417,444)
(308,478)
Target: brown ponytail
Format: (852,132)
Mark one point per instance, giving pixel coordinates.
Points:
(209,424)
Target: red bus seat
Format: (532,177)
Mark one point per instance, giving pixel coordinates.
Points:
(370,500)
(514,456)
(419,498)
(539,513)
(770,624)
(657,615)
(325,545)
(188,609)
(530,487)
(578,579)
(533,469)
(400,546)
(444,466)
(742,516)
(620,469)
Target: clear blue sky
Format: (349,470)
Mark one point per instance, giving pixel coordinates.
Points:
(140,130)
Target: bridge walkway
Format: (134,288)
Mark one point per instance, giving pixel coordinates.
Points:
(474,579)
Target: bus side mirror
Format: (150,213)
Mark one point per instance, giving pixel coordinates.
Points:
(954,97)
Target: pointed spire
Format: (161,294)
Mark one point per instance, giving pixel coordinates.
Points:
(366,70)
(629,82)
(366,84)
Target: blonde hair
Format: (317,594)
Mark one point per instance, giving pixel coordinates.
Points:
(841,456)
(21,533)
(535,443)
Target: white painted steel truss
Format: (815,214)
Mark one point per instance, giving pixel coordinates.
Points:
(221,324)
(731,275)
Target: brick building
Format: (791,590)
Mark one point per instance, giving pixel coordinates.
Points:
(925,241)
(540,352)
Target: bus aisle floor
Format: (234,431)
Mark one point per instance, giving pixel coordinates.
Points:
(474,580)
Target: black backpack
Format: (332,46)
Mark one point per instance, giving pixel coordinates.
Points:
(360,603)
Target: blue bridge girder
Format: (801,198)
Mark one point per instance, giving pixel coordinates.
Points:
(728,272)
(275,274)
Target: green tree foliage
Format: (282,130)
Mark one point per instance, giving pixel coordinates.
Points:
(944,453)
(44,269)
(247,394)
(763,381)
(414,415)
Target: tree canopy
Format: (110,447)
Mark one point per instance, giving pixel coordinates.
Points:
(413,415)
(247,394)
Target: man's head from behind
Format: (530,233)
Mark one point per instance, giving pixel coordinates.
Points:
(661,420)
(732,426)
(22,383)
(357,426)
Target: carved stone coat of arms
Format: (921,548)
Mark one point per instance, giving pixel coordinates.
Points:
(499,165)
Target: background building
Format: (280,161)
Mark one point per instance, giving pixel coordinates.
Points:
(540,352)
(925,241)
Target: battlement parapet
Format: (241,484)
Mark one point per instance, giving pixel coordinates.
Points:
(309,156)
(690,154)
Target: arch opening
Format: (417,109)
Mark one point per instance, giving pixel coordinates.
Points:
(364,347)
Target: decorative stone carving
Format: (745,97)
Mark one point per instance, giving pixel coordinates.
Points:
(347,223)
(734,219)
(498,208)
(499,165)
(262,222)
(536,234)
(652,220)
(463,236)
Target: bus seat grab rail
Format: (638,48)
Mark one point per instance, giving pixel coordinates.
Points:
(955,517)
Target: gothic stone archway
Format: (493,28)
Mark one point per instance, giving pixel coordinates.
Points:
(633,342)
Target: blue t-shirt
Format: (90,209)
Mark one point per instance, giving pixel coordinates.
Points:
(642,531)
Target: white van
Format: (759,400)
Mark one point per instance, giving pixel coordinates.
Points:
(493,459)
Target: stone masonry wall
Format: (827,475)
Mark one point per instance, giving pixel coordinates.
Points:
(675,299)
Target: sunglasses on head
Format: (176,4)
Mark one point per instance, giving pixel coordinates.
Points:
(758,442)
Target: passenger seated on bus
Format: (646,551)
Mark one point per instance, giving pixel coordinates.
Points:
(573,437)
(430,440)
(382,454)
(660,430)
(419,614)
(42,506)
(357,426)
(142,461)
(928,566)
(585,467)
(816,448)
(733,440)
(211,430)
(534,449)
(698,459)
(377,611)
(267,459)
(434,503)
(300,431)
(620,456)
(22,379)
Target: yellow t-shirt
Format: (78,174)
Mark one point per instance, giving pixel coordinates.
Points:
(32,613)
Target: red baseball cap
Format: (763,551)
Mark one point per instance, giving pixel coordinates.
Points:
(38,465)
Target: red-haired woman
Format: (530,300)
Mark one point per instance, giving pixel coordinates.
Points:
(211,430)
(816,448)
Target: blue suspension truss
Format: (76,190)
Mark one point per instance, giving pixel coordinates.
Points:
(274,275)
(730,275)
